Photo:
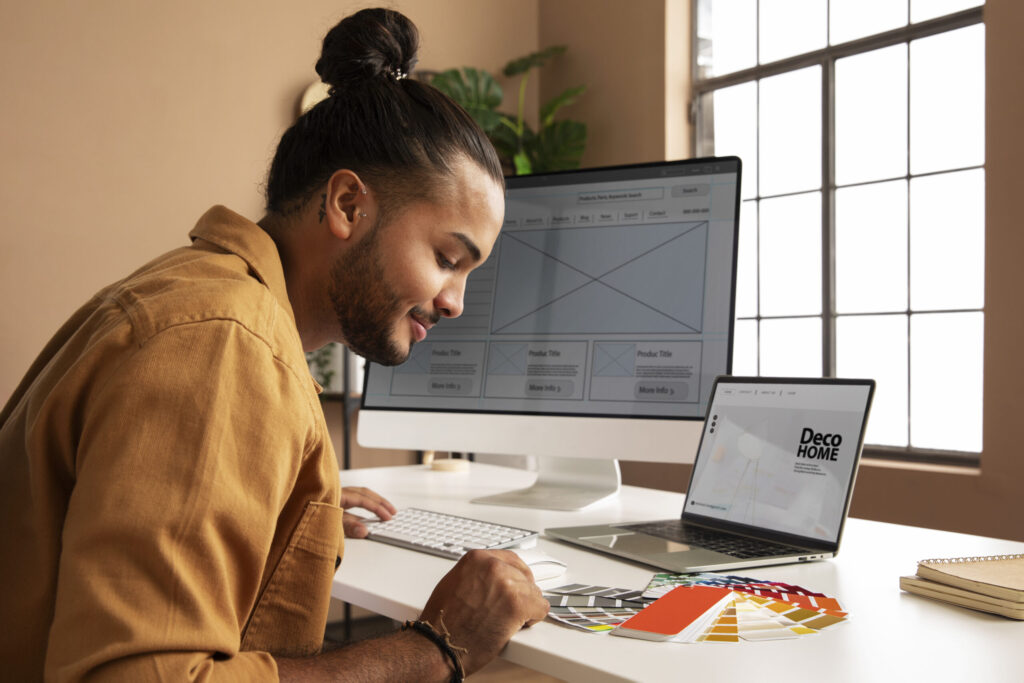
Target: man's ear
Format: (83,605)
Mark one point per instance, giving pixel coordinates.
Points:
(343,204)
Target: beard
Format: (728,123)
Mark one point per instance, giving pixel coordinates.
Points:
(365,303)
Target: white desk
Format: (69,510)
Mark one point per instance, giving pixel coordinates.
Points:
(890,635)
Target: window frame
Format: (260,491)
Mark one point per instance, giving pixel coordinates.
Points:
(826,58)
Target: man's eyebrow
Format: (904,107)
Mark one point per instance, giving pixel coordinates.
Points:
(471,247)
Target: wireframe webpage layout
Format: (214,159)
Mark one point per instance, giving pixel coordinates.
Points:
(609,292)
(780,456)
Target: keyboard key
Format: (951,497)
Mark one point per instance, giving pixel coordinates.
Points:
(446,535)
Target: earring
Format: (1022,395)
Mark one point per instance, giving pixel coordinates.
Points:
(362,214)
(364,190)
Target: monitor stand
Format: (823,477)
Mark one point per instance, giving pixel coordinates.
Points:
(563,484)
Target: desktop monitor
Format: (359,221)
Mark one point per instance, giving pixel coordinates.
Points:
(592,334)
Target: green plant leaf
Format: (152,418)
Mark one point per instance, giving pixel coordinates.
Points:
(567,97)
(505,140)
(534,59)
(476,91)
(558,147)
(522,162)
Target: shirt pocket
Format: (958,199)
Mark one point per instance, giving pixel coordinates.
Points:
(290,615)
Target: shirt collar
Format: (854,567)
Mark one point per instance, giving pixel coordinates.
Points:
(238,235)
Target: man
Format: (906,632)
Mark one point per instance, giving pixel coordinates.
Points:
(170,505)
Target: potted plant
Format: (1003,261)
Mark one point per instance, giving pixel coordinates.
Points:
(556,145)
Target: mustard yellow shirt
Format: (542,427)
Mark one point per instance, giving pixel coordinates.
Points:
(168,490)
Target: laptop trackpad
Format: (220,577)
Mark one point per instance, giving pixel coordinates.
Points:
(630,542)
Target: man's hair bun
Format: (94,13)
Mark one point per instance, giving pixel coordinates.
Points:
(370,44)
(403,136)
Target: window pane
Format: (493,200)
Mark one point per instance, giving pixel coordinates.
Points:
(947,100)
(735,129)
(946,381)
(790,132)
(871,116)
(744,348)
(790,263)
(871,248)
(791,27)
(851,19)
(746,266)
(791,347)
(875,347)
(929,9)
(727,35)
(947,241)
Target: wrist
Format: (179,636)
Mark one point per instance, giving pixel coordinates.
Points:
(439,639)
(429,663)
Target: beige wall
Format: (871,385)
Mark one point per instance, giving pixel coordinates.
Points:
(121,121)
(987,501)
(623,62)
(635,65)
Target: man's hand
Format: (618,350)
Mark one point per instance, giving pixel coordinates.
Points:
(361,497)
(485,599)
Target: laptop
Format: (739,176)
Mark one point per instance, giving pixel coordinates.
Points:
(771,482)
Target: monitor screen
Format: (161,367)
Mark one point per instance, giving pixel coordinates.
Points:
(606,303)
(607,294)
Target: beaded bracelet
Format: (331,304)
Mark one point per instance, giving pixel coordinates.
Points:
(443,640)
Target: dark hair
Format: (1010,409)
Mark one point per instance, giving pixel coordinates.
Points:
(399,134)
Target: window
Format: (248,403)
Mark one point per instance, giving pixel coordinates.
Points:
(861,127)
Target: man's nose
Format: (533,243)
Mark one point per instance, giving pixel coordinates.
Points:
(449,301)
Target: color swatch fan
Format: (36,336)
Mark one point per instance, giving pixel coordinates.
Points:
(597,609)
(697,608)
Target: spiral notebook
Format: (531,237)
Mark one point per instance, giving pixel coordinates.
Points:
(992,584)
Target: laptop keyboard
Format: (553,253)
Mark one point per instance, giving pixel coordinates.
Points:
(719,541)
(446,535)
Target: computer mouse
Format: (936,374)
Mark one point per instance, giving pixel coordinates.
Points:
(542,565)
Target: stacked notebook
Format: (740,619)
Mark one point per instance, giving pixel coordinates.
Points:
(990,584)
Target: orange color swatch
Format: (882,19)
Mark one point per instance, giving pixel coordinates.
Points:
(673,612)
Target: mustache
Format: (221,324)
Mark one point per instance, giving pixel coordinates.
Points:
(432,318)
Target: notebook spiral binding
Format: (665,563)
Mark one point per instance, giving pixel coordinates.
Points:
(982,558)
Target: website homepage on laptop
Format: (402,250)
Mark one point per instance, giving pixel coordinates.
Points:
(780,456)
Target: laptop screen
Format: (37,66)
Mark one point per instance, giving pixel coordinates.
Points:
(780,454)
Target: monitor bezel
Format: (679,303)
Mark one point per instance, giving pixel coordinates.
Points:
(574,176)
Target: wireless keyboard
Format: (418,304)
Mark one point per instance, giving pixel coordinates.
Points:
(446,535)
